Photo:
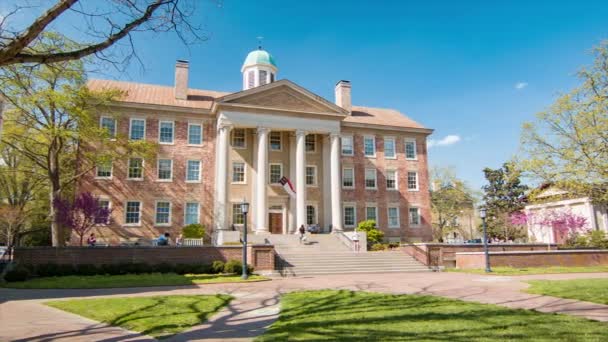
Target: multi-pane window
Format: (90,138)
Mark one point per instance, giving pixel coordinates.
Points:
(311,175)
(191,214)
(238,138)
(263,74)
(237,214)
(104,169)
(414,216)
(195,134)
(165,169)
(389,148)
(109,124)
(104,205)
(193,171)
(393,217)
(347,146)
(276,173)
(133,212)
(369,146)
(391,179)
(371,213)
(349,216)
(250,79)
(275,141)
(311,143)
(137,131)
(238,172)
(163,213)
(410,149)
(370,178)
(165,132)
(311,214)
(136,168)
(412,180)
(348,177)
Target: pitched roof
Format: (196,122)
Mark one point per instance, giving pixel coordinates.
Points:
(381,116)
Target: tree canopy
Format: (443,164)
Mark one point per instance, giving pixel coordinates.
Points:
(450,199)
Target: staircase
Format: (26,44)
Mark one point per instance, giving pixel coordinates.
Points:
(326,254)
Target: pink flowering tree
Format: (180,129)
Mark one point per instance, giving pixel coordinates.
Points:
(82,214)
(561,222)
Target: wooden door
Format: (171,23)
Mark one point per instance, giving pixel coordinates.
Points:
(275,221)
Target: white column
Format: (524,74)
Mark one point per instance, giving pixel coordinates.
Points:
(300,178)
(221,177)
(336,189)
(292,176)
(261,180)
(326,182)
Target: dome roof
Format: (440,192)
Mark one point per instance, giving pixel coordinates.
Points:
(259,57)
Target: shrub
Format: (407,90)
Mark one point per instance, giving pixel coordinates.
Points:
(87,269)
(19,273)
(217,266)
(597,238)
(233,266)
(164,268)
(378,247)
(374,235)
(193,231)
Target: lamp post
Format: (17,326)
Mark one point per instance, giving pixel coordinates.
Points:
(244,210)
(482,214)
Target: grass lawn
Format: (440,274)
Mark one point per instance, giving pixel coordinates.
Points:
(365,316)
(589,290)
(128,280)
(533,270)
(159,316)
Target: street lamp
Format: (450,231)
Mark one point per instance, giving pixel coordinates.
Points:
(244,210)
(482,214)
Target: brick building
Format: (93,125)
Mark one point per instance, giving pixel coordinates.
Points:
(346,163)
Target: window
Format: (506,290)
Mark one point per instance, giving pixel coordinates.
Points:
(347,146)
(348,177)
(311,143)
(137,131)
(165,132)
(391,179)
(271,77)
(104,205)
(250,79)
(393,217)
(133,212)
(263,75)
(275,141)
(370,178)
(238,172)
(410,150)
(311,214)
(371,213)
(414,216)
(412,181)
(389,148)
(110,125)
(195,134)
(163,214)
(237,214)
(104,170)
(165,169)
(349,216)
(136,168)
(369,146)
(238,138)
(311,175)
(193,171)
(276,173)
(191,213)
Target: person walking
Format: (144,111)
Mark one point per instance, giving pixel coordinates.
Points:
(302,233)
(356,241)
(91,241)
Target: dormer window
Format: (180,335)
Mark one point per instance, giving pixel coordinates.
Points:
(263,75)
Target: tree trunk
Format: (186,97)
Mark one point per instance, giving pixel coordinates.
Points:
(55,193)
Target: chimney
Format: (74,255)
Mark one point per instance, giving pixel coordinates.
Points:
(181,79)
(343,95)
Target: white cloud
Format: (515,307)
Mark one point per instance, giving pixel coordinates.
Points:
(446,141)
(521,85)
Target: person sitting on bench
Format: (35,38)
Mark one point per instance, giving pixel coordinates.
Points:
(163,240)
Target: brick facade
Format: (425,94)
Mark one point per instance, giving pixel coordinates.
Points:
(522,259)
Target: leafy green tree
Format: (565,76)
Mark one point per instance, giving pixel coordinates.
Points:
(374,235)
(503,195)
(567,144)
(450,199)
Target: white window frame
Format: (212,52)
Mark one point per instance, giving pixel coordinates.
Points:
(280,141)
(156,224)
(202,134)
(394,156)
(352,145)
(370,206)
(315,176)
(200,170)
(143,171)
(244,139)
(409,215)
(349,205)
(417,181)
(375,179)
(112,137)
(244,172)
(133,224)
(388,215)
(232,214)
(316,143)
(106,199)
(410,140)
(198,212)
(158,170)
(353,170)
(396,188)
(160,122)
(97,176)
(373,137)
(270,173)
(316,216)
(131,127)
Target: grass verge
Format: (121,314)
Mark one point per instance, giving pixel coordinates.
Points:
(589,290)
(364,316)
(533,270)
(127,280)
(159,316)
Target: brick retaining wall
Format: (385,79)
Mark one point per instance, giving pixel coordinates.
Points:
(534,259)
(261,257)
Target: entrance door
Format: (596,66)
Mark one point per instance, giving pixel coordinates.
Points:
(275,221)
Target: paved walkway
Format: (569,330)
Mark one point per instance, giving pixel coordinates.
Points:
(23,318)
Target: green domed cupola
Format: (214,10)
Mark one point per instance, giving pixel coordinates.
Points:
(258,69)
(259,57)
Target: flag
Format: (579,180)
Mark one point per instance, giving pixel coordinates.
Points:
(288,186)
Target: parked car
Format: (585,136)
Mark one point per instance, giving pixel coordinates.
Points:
(474,241)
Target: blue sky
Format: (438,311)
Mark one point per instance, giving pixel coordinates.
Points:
(475,70)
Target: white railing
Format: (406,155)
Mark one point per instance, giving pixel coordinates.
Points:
(192,242)
(347,239)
